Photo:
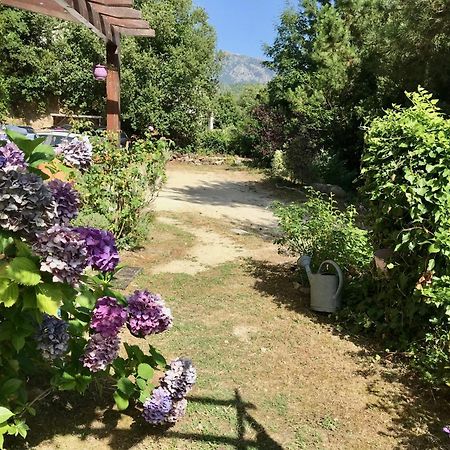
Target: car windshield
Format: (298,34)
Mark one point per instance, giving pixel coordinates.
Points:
(54,140)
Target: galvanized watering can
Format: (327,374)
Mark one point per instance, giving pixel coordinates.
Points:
(325,288)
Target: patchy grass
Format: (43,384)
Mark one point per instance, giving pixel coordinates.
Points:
(165,242)
(271,375)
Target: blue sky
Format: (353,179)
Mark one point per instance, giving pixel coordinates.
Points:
(243,26)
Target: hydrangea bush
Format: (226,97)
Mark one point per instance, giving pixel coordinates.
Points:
(58,310)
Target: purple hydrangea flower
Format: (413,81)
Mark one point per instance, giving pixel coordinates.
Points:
(147,314)
(67,201)
(100,352)
(26,204)
(177,412)
(76,153)
(446,430)
(13,156)
(157,407)
(63,253)
(52,337)
(108,317)
(101,248)
(180,378)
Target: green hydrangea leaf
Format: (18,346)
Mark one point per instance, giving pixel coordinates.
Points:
(24,271)
(121,402)
(126,387)
(145,371)
(5,414)
(9,292)
(145,394)
(49,298)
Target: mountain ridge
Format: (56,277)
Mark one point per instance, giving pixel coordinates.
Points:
(243,69)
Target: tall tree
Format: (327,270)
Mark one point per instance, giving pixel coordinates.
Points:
(340,63)
(168,81)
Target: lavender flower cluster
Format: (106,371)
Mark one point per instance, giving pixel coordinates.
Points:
(180,378)
(66,252)
(12,158)
(108,318)
(26,203)
(167,404)
(63,254)
(148,314)
(76,153)
(101,248)
(66,201)
(52,337)
(100,352)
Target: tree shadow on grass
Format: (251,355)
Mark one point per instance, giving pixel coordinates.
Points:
(413,406)
(93,416)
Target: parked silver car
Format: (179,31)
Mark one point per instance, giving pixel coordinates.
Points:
(55,137)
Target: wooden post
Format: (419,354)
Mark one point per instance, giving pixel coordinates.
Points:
(113,88)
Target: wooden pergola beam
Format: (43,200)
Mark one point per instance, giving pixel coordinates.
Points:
(48,8)
(128,3)
(135,31)
(82,12)
(117,11)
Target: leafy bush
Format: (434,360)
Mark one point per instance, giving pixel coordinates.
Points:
(219,141)
(60,319)
(406,174)
(122,183)
(319,229)
(278,166)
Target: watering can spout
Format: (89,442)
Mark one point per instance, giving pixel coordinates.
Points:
(305,262)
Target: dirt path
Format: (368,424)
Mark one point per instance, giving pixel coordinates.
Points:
(233,195)
(234,198)
(272,375)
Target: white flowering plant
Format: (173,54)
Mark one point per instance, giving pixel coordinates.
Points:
(59,314)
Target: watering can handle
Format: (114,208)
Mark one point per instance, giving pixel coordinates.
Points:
(339,273)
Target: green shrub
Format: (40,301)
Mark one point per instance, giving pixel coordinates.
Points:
(278,166)
(92,220)
(220,141)
(319,229)
(406,174)
(121,185)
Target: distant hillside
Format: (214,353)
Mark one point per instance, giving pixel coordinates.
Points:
(240,69)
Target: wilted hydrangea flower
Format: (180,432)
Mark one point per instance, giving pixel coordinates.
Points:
(147,314)
(63,253)
(67,201)
(177,412)
(157,407)
(108,317)
(180,378)
(52,337)
(100,352)
(25,202)
(101,248)
(14,158)
(76,153)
